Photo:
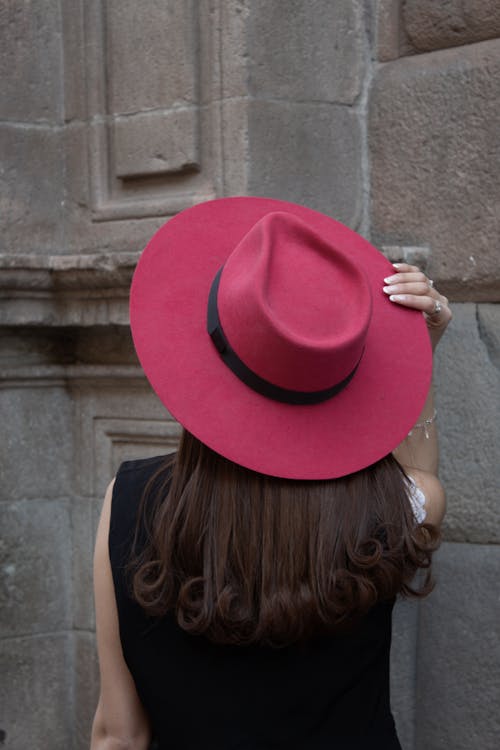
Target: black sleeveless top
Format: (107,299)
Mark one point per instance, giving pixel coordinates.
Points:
(330,692)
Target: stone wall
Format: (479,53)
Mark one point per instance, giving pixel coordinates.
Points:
(116,115)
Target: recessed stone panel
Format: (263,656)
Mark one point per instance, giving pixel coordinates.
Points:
(155,144)
(151,54)
(116,423)
(434,149)
(149,141)
(122,439)
(308,154)
(84,190)
(458,683)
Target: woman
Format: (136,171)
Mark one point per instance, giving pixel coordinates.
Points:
(245,601)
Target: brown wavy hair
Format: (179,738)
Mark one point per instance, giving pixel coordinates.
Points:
(242,557)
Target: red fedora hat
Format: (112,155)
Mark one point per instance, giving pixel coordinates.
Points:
(263,328)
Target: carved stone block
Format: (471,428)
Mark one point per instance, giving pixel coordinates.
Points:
(434,150)
(151,54)
(459,652)
(404,669)
(143,142)
(31,190)
(86,695)
(386,29)
(35,550)
(117,423)
(307,153)
(156,143)
(467,385)
(38,434)
(430,25)
(30,61)
(34,690)
(306,51)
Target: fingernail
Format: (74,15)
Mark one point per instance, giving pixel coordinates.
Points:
(398,265)
(387,289)
(397,297)
(390,279)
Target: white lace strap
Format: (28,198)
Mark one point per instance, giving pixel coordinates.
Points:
(417,500)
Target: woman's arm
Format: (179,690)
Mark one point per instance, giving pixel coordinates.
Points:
(419,451)
(120,722)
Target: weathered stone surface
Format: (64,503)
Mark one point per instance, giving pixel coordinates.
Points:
(386,29)
(403,669)
(30,61)
(106,212)
(116,423)
(431,25)
(86,693)
(488,320)
(458,684)
(84,519)
(234,147)
(35,556)
(114,426)
(65,290)
(36,451)
(111,346)
(86,190)
(229,57)
(306,51)
(167,74)
(307,154)
(75,57)
(467,385)
(28,348)
(34,692)
(152,143)
(433,128)
(31,189)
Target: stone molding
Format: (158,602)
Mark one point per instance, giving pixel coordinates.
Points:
(65,290)
(88,375)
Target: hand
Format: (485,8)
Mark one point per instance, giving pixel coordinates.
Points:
(410,287)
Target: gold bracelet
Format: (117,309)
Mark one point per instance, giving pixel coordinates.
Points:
(425,424)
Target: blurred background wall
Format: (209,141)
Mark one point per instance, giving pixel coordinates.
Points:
(115,115)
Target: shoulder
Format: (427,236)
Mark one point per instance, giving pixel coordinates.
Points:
(141,469)
(433,493)
(133,477)
(135,482)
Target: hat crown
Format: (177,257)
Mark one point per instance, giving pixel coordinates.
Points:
(249,254)
(295,308)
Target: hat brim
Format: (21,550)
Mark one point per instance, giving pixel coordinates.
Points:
(168,313)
